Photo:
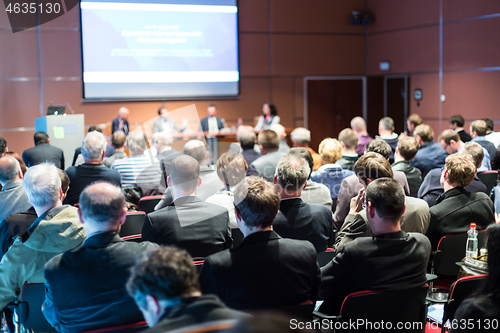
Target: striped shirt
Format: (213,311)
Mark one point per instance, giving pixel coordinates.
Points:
(138,169)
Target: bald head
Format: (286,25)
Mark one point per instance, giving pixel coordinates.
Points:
(197,150)
(358,124)
(102,206)
(184,174)
(123,113)
(10,170)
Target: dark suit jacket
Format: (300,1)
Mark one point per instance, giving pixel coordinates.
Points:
(385,262)
(197,226)
(116,124)
(413,175)
(430,156)
(265,271)
(44,153)
(204,124)
(455,210)
(15,225)
(250,155)
(86,288)
(265,166)
(464,136)
(299,220)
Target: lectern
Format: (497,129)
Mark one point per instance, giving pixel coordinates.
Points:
(65,132)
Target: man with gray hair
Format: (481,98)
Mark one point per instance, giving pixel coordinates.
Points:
(246,138)
(93,151)
(95,275)
(265,165)
(12,197)
(301,137)
(56,230)
(297,219)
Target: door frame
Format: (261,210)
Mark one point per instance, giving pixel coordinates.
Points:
(405,97)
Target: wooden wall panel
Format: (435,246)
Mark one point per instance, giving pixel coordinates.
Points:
(462,9)
(254,54)
(58,50)
(18,104)
(283,96)
(18,54)
(253,15)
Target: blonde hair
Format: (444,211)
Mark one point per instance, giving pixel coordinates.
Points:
(330,150)
(461,169)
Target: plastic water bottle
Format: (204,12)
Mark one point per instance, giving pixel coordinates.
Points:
(471,246)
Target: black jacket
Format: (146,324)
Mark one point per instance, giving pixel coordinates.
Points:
(43,152)
(413,175)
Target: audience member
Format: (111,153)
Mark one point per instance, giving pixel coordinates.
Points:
(138,169)
(211,123)
(390,260)
(231,169)
(121,122)
(491,136)
(358,124)
(280,130)
(19,159)
(268,118)
(104,257)
(210,184)
(405,152)
(386,133)
(368,168)
(43,152)
(457,208)
(330,173)
(56,230)
(12,196)
(412,122)
(166,124)
(457,123)
(313,193)
(246,138)
(165,153)
(287,273)
(301,137)
(431,154)
(3,146)
(164,284)
(297,219)
(93,151)
(265,165)
(78,158)
(349,141)
(478,132)
(451,143)
(483,307)
(118,142)
(199,227)
(350,186)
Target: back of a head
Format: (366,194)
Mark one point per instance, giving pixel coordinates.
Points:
(165,139)
(478,126)
(425,132)
(268,139)
(93,128)
(475,150)
(118,139)
(165,273)
(301,135)
(305,154)
(123,111)
(379,146)
(136,142)
(408,147)
(292,173)
(349,138)
(387,197)
(3,146)
(458,120)
(358,124)
(231,168)
(460,169)
(372,165)
(279,129)
(387,123)
(257,201)
(330,150)
(415,119)
(42,185)
(196,149)
(102,204)
(246,139)
(40,138)
(93,146)
(184,172)
(449,135)
(19,159)
(489,124)
(64,180)
(9,169)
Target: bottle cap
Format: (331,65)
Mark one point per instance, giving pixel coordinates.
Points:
(473,225)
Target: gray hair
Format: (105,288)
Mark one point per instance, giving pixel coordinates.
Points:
(196,149)
(387,123)
(136,142)
(93,145)
(292,172)
(246,139)
(301,135)
(9,169)
(164,139)
(102,203)
(42,185)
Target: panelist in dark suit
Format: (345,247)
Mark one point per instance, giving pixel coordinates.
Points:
(297,219)
(265,165)
(86,288)
(121,123)
(199,227)
(265,271)
(43,152)
(211,123)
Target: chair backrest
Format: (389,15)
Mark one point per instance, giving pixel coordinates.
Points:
(147,204)
(198,264)
(133,224)
(126,328)
(325,257)
(30,309)
(488,178)
(407,306)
